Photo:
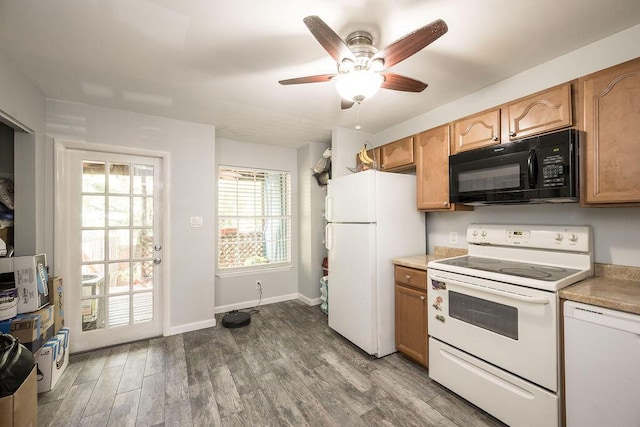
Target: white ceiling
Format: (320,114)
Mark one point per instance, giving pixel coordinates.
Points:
(219,61)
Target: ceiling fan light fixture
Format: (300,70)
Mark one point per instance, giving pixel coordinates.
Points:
(358,85)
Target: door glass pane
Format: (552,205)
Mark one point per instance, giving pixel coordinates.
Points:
(142,179)
(93,211)
(142,307)
(92,245)
(143,243)
(92,314)
(118,277)
(499,318)
(119,244)
(143,211)
(119,310)
(119,178)
(142,275)
(93,177)
(119,211)
(92,280)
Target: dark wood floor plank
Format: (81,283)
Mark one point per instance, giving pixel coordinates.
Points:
(133,372)
(286,368)
(151,407)
(125,409)
(105,391)
(204,408)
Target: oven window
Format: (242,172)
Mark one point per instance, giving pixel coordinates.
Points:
(493,178)
(499,318)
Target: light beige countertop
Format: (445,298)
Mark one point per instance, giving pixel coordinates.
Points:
(614,286)
(420,261)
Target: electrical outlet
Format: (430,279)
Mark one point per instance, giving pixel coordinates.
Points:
(258,284)
(453,237)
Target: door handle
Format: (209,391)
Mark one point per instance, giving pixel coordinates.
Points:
(532,167)
(510,295)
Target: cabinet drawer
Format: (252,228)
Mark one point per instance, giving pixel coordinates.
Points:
(411,277)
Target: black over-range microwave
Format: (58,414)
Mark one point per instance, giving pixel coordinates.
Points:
(533,170)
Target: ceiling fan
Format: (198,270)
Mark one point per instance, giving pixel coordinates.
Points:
(361,67)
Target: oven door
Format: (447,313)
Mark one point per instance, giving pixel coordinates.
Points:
(512,327)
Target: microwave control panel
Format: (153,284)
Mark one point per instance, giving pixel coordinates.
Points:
(554,166)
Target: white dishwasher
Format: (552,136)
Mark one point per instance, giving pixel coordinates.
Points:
(602,366)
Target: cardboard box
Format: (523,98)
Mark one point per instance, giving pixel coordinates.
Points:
(33,329)
(31,281)
(57,301)
(51,360)
(21,408)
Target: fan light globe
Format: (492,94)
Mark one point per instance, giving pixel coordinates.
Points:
(358,85)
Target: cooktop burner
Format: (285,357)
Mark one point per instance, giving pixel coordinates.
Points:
(512,268)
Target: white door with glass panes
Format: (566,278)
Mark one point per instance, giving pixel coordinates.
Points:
(113,277)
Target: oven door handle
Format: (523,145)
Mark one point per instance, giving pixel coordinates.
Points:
(511,295)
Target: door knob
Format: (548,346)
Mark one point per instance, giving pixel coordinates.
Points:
(157,247)
(157,260)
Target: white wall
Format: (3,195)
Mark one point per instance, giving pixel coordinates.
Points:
(345,143)
(189,252)
(616,230)
(25,103)
(311,219)
(239,291)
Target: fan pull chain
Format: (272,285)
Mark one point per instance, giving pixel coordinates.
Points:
(358,127)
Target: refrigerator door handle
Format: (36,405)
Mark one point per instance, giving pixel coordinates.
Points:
(327,208)
(328,236)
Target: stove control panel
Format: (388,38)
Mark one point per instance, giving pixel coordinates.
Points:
(558,237)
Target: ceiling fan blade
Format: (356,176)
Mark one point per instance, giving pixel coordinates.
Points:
(308,79)
(333,44)
(397,82)
(346,104)
(413,42)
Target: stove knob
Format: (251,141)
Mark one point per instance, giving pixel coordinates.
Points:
(573,238)
(558,237)
(484,233)
(474,233)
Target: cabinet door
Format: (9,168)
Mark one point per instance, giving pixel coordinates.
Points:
(432,169)
(611,106)
(397,154)
(411,323)
(477,131)
(542,112)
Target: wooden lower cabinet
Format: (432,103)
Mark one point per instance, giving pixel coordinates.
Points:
(411,314)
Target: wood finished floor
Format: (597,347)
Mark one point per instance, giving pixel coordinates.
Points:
(286,368)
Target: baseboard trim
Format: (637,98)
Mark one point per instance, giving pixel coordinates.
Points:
(309,301)
(189,327)
(252,304)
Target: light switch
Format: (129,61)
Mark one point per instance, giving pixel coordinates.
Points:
(453,237)
(196,221)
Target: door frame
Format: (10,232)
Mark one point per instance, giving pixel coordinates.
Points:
(61,243)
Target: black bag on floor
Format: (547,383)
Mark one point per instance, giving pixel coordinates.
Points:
(16,363)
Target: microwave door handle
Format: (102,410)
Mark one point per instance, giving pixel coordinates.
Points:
(532,166)
(510,295)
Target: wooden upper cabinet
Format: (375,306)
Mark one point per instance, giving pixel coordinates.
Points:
(432,171)
(397,154)
(610,144)
(477,131)
(541,112)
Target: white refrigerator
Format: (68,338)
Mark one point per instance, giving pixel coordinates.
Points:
(372,218)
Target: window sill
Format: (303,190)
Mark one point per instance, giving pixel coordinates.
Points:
(253,271)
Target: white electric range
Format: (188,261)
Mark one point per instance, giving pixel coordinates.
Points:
(494,317)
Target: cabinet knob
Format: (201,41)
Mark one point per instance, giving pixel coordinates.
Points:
(445,203)
(422,297)
(512,133)
(495,139)
(408,277)
(381,166)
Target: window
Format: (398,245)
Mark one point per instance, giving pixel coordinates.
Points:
(254,218)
